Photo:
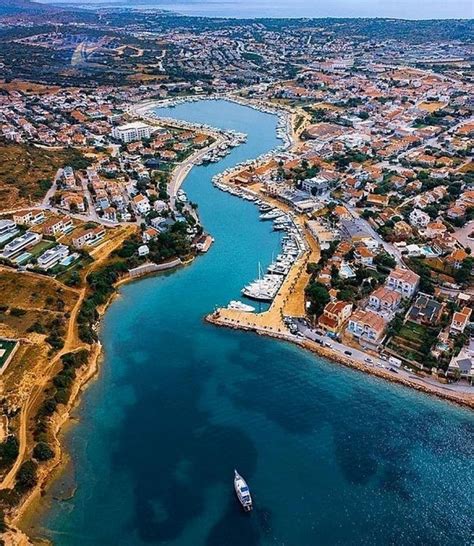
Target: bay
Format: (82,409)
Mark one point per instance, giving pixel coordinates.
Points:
(332,456)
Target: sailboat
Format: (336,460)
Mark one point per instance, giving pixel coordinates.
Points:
(243,492)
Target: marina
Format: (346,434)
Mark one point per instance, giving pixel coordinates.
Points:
(227,399)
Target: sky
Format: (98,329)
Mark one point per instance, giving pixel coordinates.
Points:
(403,9)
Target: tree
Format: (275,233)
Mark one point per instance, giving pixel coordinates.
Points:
(463,274)
(318,296)
(26,477)
(8,451)
(42,452)
(385,260)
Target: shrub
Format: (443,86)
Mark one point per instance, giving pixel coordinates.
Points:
(26,477)
(8,451)
(15,312)
(42,452)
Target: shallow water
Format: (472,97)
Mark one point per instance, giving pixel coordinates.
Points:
(332,456)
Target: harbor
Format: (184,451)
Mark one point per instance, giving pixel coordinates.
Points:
(225,399)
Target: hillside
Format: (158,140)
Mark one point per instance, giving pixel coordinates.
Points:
(26,171)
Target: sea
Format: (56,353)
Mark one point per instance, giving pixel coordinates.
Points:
(332,456)
(248,9)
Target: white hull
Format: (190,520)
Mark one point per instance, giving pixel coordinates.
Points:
(242,491)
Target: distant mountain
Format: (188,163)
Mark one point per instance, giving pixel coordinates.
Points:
(18,6)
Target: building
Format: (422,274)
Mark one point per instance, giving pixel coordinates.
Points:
(315,186)
(384,299)
(69,177)
(53,256)
(462,365)
(149,234)
(7,229)
(88,237)
(335,315)
(28,217)
(140,204)
(419,219)
(53,226)
(366,326)
(426,310)
(403,281)
(354,230)
(73,202)
(363,255)
(20,243)
(131,132)
(143,250)
(460,320)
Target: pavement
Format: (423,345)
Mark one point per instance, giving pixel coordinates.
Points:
(462,235)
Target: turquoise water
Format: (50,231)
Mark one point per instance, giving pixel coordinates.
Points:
(332,456)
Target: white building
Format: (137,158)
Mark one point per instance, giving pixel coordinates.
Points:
(51,257)
(403,281)
(7,228)
(419,219)
(143,250)
(131,132)
(140,204)
(27,239)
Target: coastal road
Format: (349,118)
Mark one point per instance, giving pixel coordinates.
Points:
(182,170)
(370,361)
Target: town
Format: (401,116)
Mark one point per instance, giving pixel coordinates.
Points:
(372,186)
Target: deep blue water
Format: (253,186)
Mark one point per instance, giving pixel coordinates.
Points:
(333,456)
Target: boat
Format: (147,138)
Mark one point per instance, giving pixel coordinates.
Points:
(239,306)
(271,215)
(243,492)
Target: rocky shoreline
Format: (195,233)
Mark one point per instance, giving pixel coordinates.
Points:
(331,355)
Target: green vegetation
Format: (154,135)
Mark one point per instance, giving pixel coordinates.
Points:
(8,451)
(42,452)
(318,296)
(26,477)
(59,392)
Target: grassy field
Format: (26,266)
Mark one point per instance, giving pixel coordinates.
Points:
(26,172)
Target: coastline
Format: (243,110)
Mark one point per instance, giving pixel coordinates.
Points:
(19,533)
(333,357)
(92,368)
(20,522)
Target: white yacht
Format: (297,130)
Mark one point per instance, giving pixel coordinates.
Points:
(271,215)
(239,306)
(243,492)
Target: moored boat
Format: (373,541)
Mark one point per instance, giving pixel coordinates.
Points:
(240,306)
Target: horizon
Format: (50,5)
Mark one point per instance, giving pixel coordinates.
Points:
(273,9)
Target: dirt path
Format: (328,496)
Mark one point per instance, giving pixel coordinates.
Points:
(71,344)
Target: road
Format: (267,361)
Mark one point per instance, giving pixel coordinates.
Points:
(462,235)
(182,170)
(390,249)
(371,361)
(52,190)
